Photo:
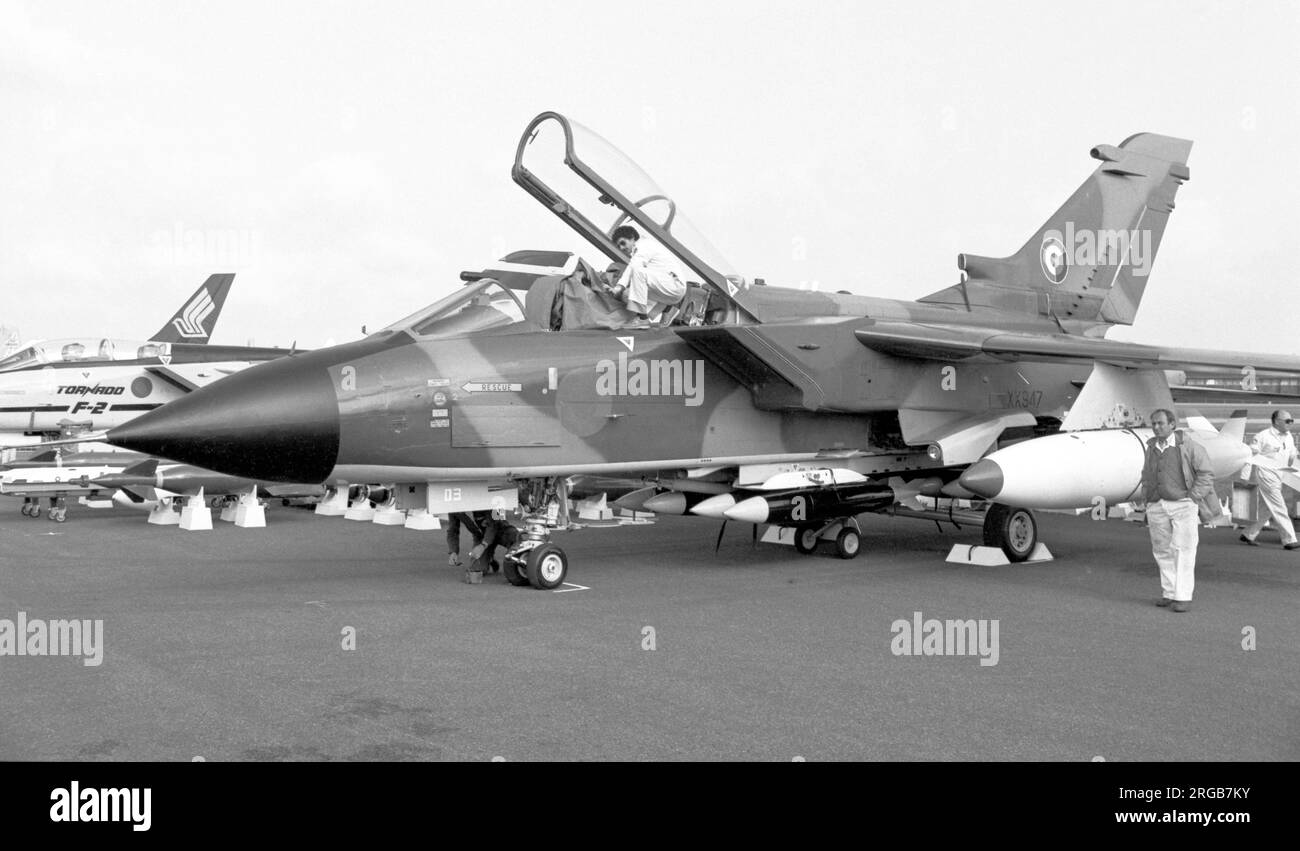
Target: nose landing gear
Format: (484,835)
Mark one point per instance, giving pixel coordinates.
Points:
(534,560)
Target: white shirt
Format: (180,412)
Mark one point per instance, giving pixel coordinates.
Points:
(1273,448)
(654,258)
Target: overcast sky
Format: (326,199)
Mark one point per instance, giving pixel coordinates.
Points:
(348,159)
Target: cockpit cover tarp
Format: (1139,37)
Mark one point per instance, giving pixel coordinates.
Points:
(587,307)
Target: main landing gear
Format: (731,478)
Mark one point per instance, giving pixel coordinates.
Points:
(533,559)
(848,541)
(1014,530)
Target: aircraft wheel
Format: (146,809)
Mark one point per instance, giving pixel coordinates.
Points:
(510,569)
(36,510)
(58,515)
(27,509)
(547,566)
(848,543)
(1014,530)
(805,539)
(215,502)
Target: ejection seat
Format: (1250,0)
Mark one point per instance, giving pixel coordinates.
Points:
(543,305)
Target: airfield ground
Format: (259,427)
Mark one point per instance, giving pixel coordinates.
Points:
(227,645)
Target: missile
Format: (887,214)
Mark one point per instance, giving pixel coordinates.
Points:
(1072,469)
(176,478)
(714,506)
(812,506)
(677,502)
(188,480)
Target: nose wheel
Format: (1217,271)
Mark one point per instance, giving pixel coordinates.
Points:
(535,560)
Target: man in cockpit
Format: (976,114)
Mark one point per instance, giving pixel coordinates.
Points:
(650,282)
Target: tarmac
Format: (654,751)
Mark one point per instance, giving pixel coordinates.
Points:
(229,645)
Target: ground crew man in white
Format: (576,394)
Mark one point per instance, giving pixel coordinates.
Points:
(1272,449)
(1175,478)
(651,281)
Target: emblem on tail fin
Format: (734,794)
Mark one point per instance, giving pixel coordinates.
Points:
(1054,260)
(190,323)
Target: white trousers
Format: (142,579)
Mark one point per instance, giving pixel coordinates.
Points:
(647,290)
(1270,494)
(1175,532)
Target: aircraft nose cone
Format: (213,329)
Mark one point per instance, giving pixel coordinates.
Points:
(984,477)
(277,421)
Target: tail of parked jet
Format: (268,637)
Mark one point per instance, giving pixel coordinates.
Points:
(196,320)
(1089,262)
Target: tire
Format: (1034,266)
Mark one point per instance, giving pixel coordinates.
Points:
(27,509)
(848,543)
(60,516)
(547,567)
(1013,530)
(511,571)
(35,512)
(805,539)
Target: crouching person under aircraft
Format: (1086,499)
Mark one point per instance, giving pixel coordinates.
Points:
(489,529)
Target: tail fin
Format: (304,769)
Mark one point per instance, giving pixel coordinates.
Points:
(147,467)
(1089,262)
(196,320)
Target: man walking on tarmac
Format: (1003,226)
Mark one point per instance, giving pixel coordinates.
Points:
(1175,478)
(1273,448)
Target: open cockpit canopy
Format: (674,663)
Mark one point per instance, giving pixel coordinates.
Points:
(594,188)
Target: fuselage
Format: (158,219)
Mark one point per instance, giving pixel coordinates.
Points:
(519,402)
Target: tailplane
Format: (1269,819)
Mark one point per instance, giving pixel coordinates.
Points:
(196,320)
(1089,262)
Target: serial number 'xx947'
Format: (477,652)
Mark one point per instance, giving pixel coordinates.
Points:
(1019,399)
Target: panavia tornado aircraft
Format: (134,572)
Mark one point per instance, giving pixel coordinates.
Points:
(824,405)
(58,387)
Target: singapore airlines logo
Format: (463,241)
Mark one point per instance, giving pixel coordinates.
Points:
(190,323)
